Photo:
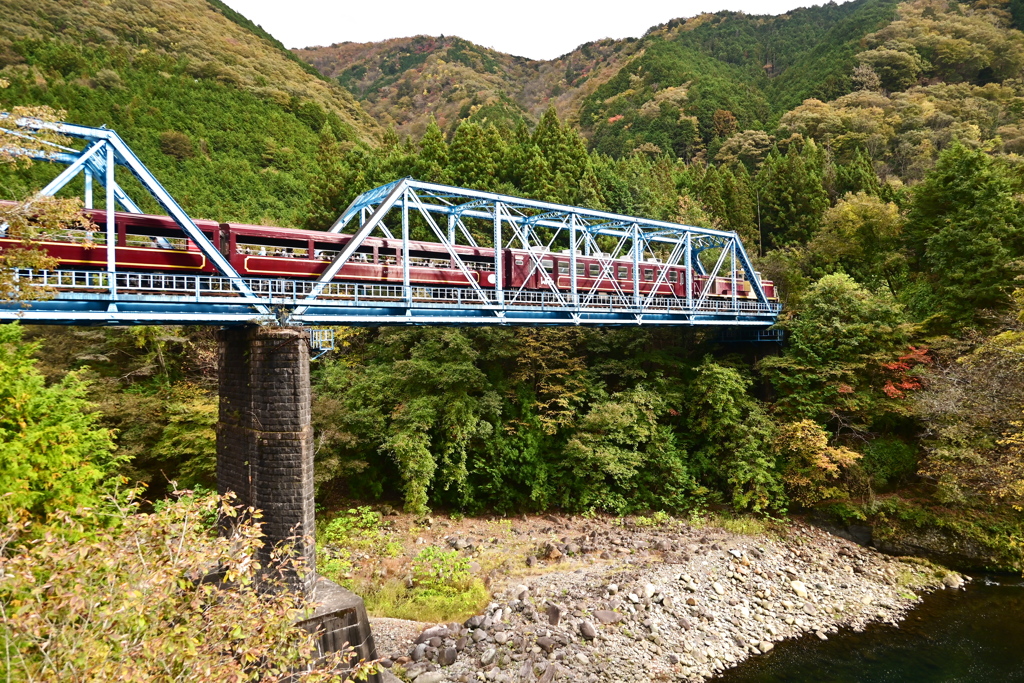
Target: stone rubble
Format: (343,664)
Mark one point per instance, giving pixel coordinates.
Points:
(680,603)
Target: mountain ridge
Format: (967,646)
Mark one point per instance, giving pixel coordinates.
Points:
(404,81)
(455,78)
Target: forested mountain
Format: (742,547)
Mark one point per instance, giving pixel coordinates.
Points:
(405,81)
(754,68)
(757,67)
(223,114)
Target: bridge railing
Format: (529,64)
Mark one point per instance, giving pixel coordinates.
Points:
(277,292)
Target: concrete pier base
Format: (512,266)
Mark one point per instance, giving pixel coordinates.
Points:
(340,618)
(265,456)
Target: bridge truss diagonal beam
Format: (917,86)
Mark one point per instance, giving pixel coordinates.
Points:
(115,152)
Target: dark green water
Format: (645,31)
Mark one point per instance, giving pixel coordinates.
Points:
(972,636)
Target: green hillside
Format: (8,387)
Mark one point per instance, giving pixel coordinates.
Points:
(754,67)
(405,81)
(224,116)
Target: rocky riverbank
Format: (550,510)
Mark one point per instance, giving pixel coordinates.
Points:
(606,602)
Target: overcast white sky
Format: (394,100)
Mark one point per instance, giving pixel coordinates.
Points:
(539,29)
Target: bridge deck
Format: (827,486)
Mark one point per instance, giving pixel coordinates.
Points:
(87,297)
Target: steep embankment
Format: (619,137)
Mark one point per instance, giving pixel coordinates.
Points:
(224,116)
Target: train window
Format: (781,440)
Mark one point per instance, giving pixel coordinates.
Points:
(673,276)
(563,267)
(595,270)
(581,269)
(648,273)
(548,266)
(623,272)
(519,260)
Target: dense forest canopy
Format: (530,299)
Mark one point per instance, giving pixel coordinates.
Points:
(868,154)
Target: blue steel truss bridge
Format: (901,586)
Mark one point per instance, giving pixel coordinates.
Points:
(405,253)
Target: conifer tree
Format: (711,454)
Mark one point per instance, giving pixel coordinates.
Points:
(829,175)
(710,192)
(589,189)
(496,149)
(792,196)
(739,206)
(548,137)
(389,139)
(538,181)
(577,164)
(518,152)
(857,175)
(326,190)
(565,153)
(432,162)
(966,230)
(472,157)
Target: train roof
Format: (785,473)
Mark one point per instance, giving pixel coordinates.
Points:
(144,218)
(273,231)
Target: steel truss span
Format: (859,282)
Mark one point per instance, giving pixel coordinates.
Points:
(408,252)
(82,297)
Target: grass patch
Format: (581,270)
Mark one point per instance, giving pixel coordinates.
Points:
(394,599)
(919,573)
(910,579)
(746,525)
(442,590)
(656,519)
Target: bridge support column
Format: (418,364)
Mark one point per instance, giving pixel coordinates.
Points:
(265,456)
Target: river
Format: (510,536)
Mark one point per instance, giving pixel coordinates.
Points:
(965,636)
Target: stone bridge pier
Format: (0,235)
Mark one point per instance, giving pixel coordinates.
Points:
(265,456)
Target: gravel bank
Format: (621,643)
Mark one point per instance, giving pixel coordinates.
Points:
(665,604)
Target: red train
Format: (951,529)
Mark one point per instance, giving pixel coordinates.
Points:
(156,243)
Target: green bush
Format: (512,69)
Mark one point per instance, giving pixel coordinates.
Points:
(53,454)
(442,590)
(355,526)
(656,519)
(440,571)
(889,460)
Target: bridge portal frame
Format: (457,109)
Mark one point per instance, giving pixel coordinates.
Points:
(105,152)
